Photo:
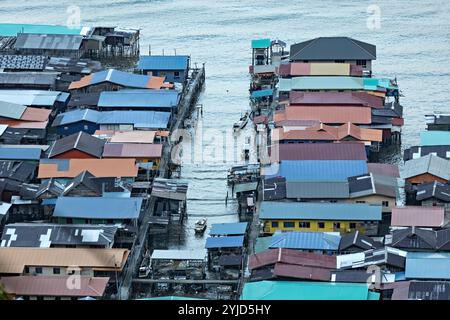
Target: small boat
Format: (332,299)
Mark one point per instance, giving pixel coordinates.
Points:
(238,125)
(200,226)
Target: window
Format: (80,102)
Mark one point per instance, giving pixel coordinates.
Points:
(339,61)
(336,225)
(304,224)
(352,225)
(361,63)
(38,270)
(321,225)
(86,127)
(385,203)
(274,224)
(176,74)
(360,201)
(66,128)
(69,221)
(288,224)
(56,270)
(27,270)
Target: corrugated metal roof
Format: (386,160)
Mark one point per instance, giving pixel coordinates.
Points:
(20,153)
(11,110)
(434,138)
(301,272)
(317,190)
(135,136)
(80,141)
(262,93)
(125,79)
(98,207)
(429,164)
(14,260)
(244,187)
(4,207)
(163,62)
(319,211)
(48,41)
(22,62)
(321,83)
(318,151)
(223,229)
(417,152)
(55,286)
(12,29)
(425,265)
(224,242)
(434,189)
(417,216)
(151,98)
(178,254)
(327,114)
(27,78)
(306,240)
(296,290)
(36,114)
(332,48)
(76,116)
(335,98)
(261,43)
(30,97)
(319,170)
(384,169)
(132,150)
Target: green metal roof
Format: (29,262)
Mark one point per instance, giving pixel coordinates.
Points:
(298,290)
(262,244)
(12,29)
(260,43)
(434,138)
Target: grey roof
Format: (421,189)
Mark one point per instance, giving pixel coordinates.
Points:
(169,189)
(48,41)
(245,187)
(275,188)
(435,190)
(429,290)
(384,256)
(22,62)
(368,184)
(46,235)
(418,151)
(17,170)
(443,240)
(357,242)
(333,48)
(431,164)
(52,186)
(80,141)
(86,179)
(317,190)
(414,238)
(82,99)
(11,110)
(27,78)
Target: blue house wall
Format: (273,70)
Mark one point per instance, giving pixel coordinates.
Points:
(85,126)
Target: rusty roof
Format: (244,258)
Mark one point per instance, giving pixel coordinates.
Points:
(100,168)
(318,151)
(132,150)
(54,286)
(36,114)
(13,260)
(332,115)
(19,124)
(417,216)
(301,272)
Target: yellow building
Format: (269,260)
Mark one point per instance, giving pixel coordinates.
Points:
(319,217)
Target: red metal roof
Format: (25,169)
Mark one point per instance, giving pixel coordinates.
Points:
(417,216)
(318,151)
(329,115)
(302,272)
(54,286)
(292,257)
(335,98)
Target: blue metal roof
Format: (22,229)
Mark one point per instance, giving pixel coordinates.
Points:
(163,62)
(262,93)
(139,99)
(20,153)
(224,242)
(434,138)
(306,241)
(121,78)
(30,97)
(320,170)
(140,119)
(261,43)
(222,229)
(320,211)
(98,208)
(426,265)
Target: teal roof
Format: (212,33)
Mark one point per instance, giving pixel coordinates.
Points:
(376,83)
(262,244)
(298,290)
(434,138)
(260,43)
(12,29)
